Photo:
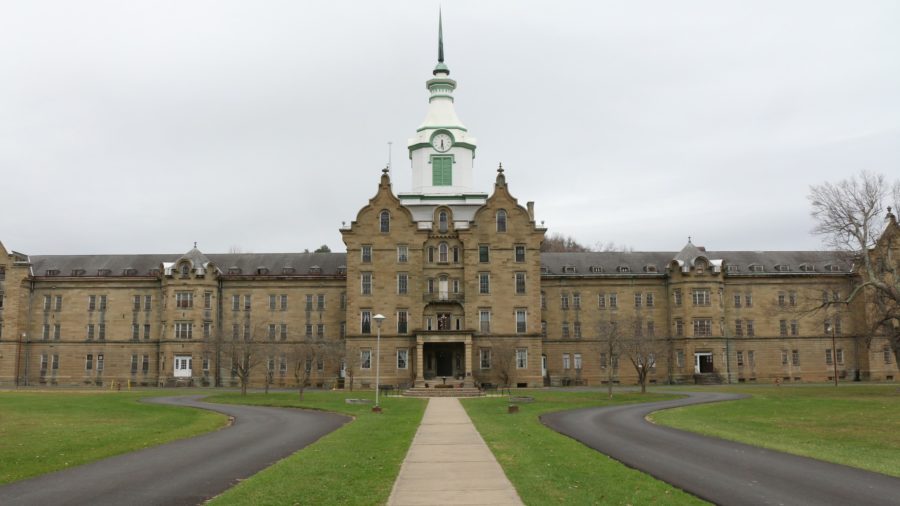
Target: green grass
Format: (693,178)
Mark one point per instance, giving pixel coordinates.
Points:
(854,425)
(41,432)
(356,464)
(549,468)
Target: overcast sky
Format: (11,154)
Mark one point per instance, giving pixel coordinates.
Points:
(141,127)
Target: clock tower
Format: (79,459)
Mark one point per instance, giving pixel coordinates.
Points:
(442,151)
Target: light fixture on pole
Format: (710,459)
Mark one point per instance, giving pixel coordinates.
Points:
(378,319)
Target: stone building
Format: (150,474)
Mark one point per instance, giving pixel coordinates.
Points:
(466,294)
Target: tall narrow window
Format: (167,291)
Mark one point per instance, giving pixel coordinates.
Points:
(402,253)
(520,283)
(366,253)
(366,322)
(484,283)
(442,171)
(385,222)
(521,325)
(366,283)
(442,222)
(484,253)
(484,319)
(443,252)
(402,321)
(501,220)
(402,283)
(520,254)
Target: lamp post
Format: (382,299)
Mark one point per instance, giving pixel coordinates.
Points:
(378,319)
(833,329)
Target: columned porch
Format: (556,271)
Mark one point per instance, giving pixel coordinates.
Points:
(444,358)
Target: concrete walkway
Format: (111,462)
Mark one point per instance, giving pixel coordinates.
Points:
(449,463)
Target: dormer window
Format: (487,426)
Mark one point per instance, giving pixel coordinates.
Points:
(700,267)
(288,270)
(756,268)
(732,268)
(315,269)
(545,269)
(52,272)
(342,270)
(103,272)
(442,222)
(384,222)
(154,272)
(501,220)
(262,271)
(806,268)
(650,268)
(596,269)
(234,270)
(129,272)
(833,268)
(568,269)
(623,269)
(78,272)
(782,268)
(185,270)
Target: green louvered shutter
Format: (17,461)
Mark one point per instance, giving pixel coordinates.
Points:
(442,171)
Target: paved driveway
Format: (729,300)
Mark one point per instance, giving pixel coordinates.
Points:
(720,471)
(182,472)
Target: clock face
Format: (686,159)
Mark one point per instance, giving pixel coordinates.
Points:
(442,142)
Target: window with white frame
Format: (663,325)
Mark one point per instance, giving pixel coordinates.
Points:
(521,358)
(484,320)
(485,358)
(402,253)
(484,283)
(366,322)
(520,283)
(366,253)
(366,283)
(566,364)
(577,359)
(402,321)
(501,220)
(184,330)
(402,358)
(519,253)
(521,321)
(402,283)
(365,359)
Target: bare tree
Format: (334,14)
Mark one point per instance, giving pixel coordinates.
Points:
(849,215)
(611,344)
(642,350)
(247,352)
(503,360)
(304,356)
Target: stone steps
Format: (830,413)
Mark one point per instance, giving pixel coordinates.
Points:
(442,392)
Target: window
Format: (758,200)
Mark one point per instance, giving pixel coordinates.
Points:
(309,330)
(520,254)
(602,360)
(484,283)
(679,358)
(384,222)
(442,222)
(456,254)
(92,302)
(792,298)
(366,253)
(207,330)
(89,362)
(135,332)
(739,328)
(99,362)
(577,329)
(795,357)
(184,300)
(90,332)
(366,320)
(750,329)
(101,332)
(828,359)
(272,329)
(520,283)
(103,303)
(781,299)
(402,358)
(521,326)
(441,171)
(676,296)
(679,327)
(737,300)
(443,253)
(283,331)
(402,253)
(309,302)
(272,302)
(638,300)
(320,301)
(543,329)
(137,303)
(402,321)
(649,298)
(577,358)
(501,220)
(521,358)
(184,330)
(320,330)
(886,352)
(565,330)
(748,299)
(58,306)
(651,329)
(576,300)
(484,320)
(613,301)
(431,254)
(564,301)
(784,357)
(366,283)
(783,328)
(484,253)
(134,364)
(146,332)
(145,364)
(284,300)
(751,357)
(601,301)
(55,364)
(402,282)
(56,332)
(485,354)
(207,300)
(235,302)
(700,297)
(702,327)
(566,364)
(365,359)
(740,359)
(247,302)
(795,328)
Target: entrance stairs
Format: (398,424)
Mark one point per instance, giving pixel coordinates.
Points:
(443,392)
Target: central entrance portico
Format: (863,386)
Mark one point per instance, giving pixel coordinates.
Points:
(443,357)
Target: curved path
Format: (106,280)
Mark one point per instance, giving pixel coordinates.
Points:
(187,471)
(719,471)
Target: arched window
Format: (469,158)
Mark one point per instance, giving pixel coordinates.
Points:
(385,222)
(185,269)
(442,252)
(501,220)
(442,221)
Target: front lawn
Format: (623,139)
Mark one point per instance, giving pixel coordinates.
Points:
(356,464)
(41,432)
(854,425)
(549,468)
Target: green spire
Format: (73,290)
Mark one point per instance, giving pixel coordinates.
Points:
(440,67)
(440,37)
